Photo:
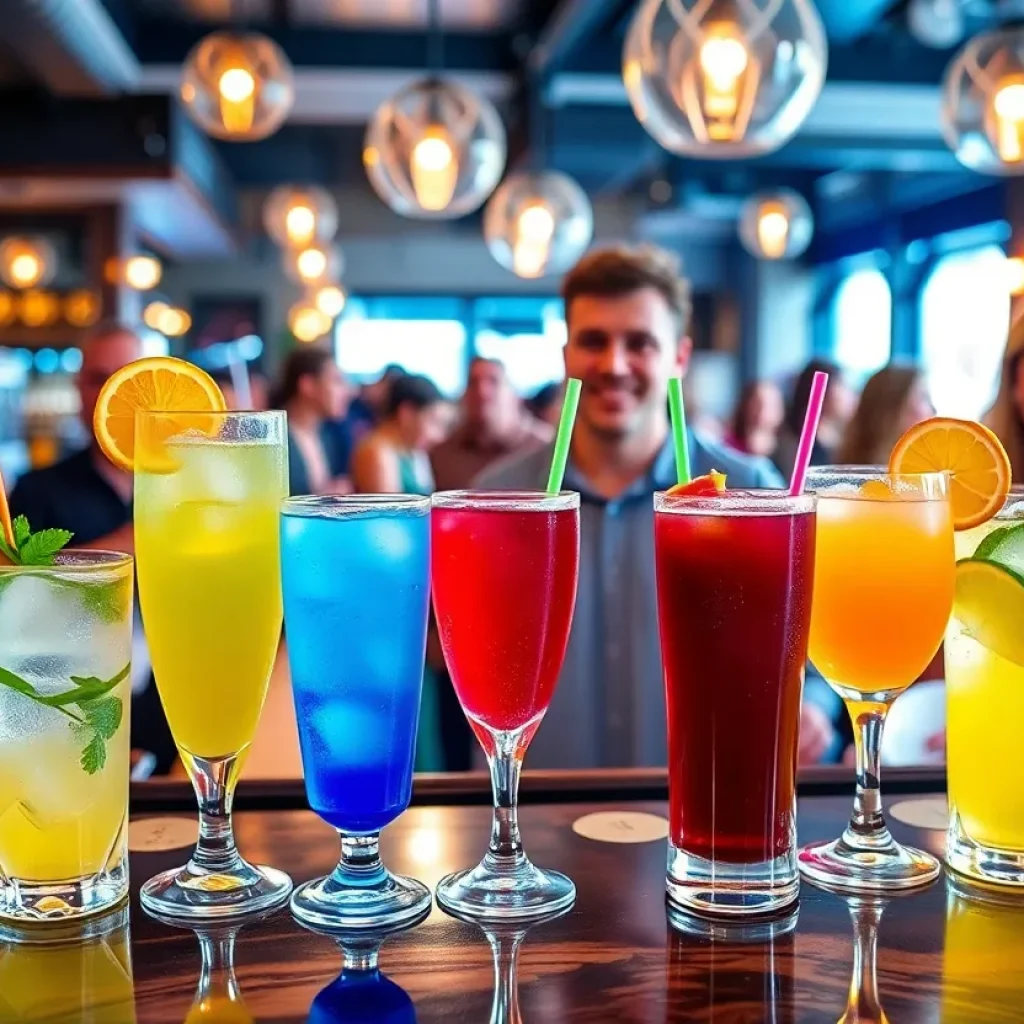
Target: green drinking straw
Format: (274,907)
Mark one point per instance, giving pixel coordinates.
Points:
(568,418)
(678,415)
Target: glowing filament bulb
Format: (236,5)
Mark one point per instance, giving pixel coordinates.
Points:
(772,231)
(1008,106)
(237,88)
(311,264)
(26,270)
(723,60)
(434,169)
(300,225)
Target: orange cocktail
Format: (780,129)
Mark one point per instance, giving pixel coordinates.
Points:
(883,586)
(883,589)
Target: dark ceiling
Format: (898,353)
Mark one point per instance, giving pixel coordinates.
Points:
(873,137)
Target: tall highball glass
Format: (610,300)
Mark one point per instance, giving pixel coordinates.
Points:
(208,492)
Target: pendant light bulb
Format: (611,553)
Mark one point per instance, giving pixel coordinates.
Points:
(434,168)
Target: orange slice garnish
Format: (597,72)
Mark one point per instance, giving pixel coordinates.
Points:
(971,452)
(157,384)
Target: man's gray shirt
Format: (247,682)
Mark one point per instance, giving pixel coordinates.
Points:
(609,707)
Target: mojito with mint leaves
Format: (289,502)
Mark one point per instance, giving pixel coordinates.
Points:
(65,692)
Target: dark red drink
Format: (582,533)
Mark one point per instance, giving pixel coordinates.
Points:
(734,580)
(503,570)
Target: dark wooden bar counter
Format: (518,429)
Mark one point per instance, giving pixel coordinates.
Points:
(613,957)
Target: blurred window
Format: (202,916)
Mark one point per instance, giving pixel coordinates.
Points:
(965,317)
(863,323)
(526,335)
(426,336)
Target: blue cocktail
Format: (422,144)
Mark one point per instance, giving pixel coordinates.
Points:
(356,599)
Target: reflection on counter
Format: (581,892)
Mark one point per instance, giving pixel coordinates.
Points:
(361,993)
(863,1002)
(70,974)
(984,953)
(740,967)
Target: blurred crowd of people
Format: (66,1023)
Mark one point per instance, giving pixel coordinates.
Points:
(627,316)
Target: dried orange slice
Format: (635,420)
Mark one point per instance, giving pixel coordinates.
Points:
(157,384)
(971,452)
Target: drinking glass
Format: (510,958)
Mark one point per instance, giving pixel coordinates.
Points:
(356,576)
(75,970)
(208,491)
(883,589)
(65,697)
(734,576)
(985,703)
(504,567)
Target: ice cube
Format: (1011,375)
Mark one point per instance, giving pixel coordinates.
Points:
(37,614)
(214,472)
(391,542)
(353,733)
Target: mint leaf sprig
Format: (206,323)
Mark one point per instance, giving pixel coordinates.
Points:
(98,715)
(34,548)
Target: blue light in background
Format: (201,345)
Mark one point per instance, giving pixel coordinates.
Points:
(47,360)
(71,360)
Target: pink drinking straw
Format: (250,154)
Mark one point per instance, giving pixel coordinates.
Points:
(803,451)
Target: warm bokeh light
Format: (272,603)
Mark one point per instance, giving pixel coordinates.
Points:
(38,308)
(8,309)
(82,308)
(307,322)
(330,300)
(434,169)
(26,262)
(142,272)
(1014,270)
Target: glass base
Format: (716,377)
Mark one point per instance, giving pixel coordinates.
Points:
(192,894)
(497,891)
(982,863)
(42,903)
(757,929)
(721,889)
(329,903)
(891,867)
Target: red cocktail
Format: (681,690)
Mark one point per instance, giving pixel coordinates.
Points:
(503,570)
(734,576)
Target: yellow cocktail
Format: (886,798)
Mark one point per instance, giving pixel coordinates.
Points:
(883,587)
(985,701)
(208,491)
(209,581)
(65,695)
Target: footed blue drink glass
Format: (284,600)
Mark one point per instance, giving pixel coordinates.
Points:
(356,599)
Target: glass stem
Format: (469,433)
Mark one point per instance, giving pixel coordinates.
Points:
(217,976)
(505,949)
(214,783)
(867,830)
(360,864)
(863,1003)
(506,848)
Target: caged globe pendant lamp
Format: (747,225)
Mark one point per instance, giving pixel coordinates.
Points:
(983,103)
(538,223)
(724,79)
(298,217)
(434,150)
(237,86)
(776,225)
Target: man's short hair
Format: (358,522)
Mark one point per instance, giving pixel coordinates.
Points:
(621,270)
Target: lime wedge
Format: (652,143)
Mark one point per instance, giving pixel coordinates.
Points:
(989,602)
(1005,546)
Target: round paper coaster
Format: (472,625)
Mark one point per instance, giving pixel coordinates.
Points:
(150,835)
(929,812)
(621,827)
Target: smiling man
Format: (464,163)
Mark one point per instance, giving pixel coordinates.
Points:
(627,313)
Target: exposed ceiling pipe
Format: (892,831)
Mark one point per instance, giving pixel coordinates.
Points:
(73,47)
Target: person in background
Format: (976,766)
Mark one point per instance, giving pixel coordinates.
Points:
(369,407)
(394,457)
(758,419)
(90,496)
(893,400)
(627,313)
(494,426)
(1006,417)
(546,404)
(840,402)
(313,391)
